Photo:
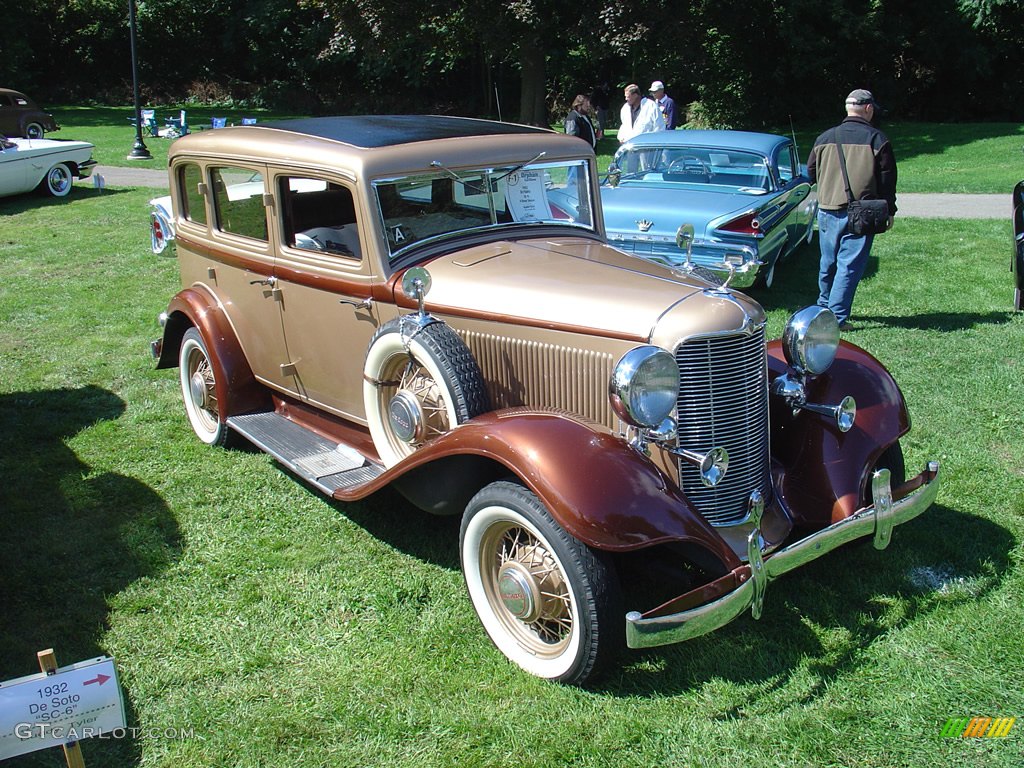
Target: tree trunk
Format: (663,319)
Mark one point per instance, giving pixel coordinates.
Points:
(533,87)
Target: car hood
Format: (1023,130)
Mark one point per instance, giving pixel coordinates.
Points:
(668,206)
(580,285)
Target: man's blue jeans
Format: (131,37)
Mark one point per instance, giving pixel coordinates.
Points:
(843,259)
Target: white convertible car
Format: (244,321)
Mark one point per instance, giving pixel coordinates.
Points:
(44,164)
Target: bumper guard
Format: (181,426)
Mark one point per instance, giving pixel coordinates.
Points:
(876,520)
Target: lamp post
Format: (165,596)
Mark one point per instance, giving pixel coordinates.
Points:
(139,150)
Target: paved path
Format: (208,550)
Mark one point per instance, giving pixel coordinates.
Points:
(912,205)
(953,206)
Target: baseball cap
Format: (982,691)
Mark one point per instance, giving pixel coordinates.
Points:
(657,85)
(861,97)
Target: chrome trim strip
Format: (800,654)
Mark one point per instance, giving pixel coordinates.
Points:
(876,520)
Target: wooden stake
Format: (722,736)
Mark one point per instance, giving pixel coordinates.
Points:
(72,751)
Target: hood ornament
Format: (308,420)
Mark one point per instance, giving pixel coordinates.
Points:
(644,224)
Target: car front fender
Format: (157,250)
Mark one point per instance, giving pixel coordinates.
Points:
(596,486)
(822,473)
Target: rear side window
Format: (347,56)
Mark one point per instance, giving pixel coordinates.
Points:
(193,204)
(319,215)
(787,164)
(238,202)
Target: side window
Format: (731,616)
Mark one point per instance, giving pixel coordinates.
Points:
(238,202)
(318,215)
(190,176)
(787,164)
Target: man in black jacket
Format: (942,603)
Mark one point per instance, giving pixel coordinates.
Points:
(871,167)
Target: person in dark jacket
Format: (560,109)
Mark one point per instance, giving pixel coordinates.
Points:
(577,122)
(871,167)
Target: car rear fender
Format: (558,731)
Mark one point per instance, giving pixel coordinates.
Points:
(825,472)
(596,486)
(237,389)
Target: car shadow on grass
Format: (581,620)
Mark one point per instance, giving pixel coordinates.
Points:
(820,620)
(31,200)
(72,538)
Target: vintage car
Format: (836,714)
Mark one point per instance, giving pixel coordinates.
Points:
(44,164)
(1017,265)
(745,194)
(398,300)
(20,116)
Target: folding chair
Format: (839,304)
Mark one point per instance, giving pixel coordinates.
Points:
(248,121)
(148,122)
(218,122)
(178,125)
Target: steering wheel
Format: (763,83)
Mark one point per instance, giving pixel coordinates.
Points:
(689,164)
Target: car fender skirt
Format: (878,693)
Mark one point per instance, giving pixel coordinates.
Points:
(237,389)
(821,473)
(596,486)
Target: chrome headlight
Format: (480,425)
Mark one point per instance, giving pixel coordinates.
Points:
(811,339)
(644,386)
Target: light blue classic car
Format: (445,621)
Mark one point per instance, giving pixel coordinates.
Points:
(745,195)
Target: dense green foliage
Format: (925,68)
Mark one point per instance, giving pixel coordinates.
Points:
(525,59)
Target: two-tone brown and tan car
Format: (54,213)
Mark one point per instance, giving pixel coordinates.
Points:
(400,300)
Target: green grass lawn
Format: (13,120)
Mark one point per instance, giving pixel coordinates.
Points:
(275,628)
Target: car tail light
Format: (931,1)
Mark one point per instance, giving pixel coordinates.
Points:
(558,213)
(747,224)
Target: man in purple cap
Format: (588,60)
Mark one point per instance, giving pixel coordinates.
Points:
(871,169)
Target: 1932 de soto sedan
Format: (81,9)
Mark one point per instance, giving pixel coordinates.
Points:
(399,300)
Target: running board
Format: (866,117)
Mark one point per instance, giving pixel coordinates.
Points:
(323,463)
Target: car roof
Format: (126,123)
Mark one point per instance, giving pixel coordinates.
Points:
(375,131)
(12,92)
(764,143)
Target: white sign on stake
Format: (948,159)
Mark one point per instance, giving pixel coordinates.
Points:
(77,702)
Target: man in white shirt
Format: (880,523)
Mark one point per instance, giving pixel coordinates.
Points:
(638,115)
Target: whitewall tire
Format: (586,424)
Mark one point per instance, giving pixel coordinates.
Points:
(418,383)
(547,601)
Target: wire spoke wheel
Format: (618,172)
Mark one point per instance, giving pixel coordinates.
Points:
(419,384)
(527,589)
(199,390)
(548,602)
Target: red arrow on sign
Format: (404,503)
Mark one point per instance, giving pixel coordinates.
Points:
(100,678)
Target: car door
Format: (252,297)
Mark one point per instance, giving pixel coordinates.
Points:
(232,256)
(795,189)
(13,170)
(325,277)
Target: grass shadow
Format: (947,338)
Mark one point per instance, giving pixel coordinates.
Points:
(72,537)
(32,200)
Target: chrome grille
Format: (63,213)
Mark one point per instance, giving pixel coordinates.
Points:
(723,402)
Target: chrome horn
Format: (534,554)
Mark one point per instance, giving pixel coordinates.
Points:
(844,414)
(713,465)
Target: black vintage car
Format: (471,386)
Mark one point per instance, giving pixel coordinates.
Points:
(1018,247)
(22,117)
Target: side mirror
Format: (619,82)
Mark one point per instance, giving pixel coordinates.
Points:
(416,282)
(614,175)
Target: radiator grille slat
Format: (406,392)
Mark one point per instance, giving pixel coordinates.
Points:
(723,402)
(521,372)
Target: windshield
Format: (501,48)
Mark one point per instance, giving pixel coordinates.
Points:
(446,203)
(734,169)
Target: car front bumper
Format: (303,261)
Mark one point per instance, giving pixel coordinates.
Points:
(877,520)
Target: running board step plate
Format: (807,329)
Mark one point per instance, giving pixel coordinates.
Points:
(321,462)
